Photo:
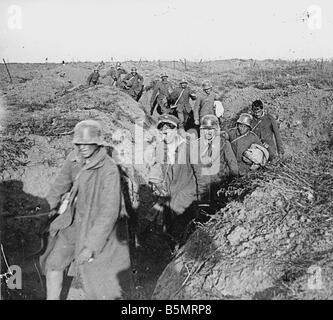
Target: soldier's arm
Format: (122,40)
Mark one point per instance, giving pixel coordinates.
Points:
(61,185)
(277,135)
(108,213)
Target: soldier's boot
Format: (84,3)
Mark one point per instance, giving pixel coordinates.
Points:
(53,284)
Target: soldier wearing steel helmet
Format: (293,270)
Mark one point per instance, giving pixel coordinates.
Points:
(93,78)
(85,234)
(180,99)
(133,84)
(241,138)
(161,92)
(205,102)
(212,158)
(116,74)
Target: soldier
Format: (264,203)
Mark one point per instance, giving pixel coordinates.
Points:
(116,74)
(162,91)
(133,84)
(205,102)
(171,167)
(93,78)
(180,99)
(89,236)
(212,158)
(266,128)
(241,138)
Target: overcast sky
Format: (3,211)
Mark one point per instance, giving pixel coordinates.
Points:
(164,29)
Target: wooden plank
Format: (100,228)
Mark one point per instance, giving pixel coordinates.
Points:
(11,80)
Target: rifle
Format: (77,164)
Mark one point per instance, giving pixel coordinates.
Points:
(154,102)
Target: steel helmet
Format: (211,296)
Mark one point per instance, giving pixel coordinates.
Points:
(164,75)
(88,132)
(209,121)
(134,69)
(183,81)
(206,85)
(245,118)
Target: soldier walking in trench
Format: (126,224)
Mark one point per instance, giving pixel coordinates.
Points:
(173,175)
(265,127)
(133,84)
(212,158)
(242,139)
(180,98)
(161,95)
(90,235)
(116,74)
(204,103)
(93,78)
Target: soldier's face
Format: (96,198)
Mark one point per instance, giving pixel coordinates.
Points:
(183,85)
(257,112)
(209,134)
(169,133)
(87,150)
(243,128)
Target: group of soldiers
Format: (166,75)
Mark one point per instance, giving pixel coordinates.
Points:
(129,82)
(190,169)
(88,233)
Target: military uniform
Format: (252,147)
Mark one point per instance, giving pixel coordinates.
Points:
(267,130)
(241,143)
(92,222)
(93,78)
(183,107)
(162,91)
(115,74)
(212,162)
(204,105)
(133,85)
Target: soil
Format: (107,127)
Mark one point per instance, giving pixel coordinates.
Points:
(263,240)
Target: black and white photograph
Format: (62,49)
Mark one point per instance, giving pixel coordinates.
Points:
(166,151)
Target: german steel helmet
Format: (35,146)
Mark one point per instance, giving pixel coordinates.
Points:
(245,118)
(88,132)
(183,81)
(209,121)
(206,84)
(164,74)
